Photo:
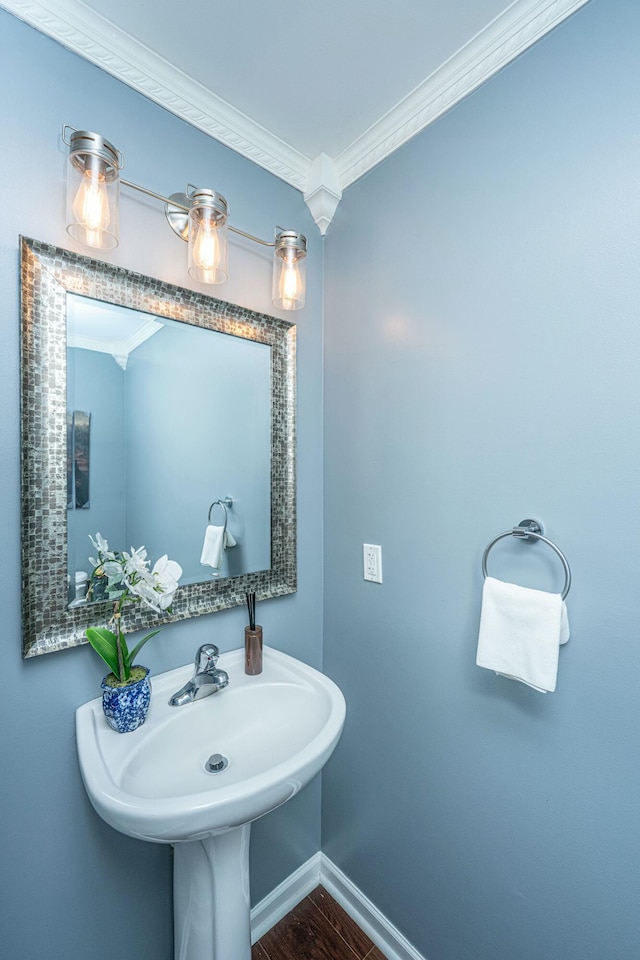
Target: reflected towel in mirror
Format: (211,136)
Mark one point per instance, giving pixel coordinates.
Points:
(216,541)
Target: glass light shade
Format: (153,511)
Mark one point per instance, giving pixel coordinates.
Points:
(93,191)
(208,237)
(289,271)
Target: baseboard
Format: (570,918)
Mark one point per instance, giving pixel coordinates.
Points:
(386,937)
(285,897)
(319,869)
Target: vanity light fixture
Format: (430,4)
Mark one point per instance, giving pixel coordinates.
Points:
(199,216)
(289,270)
(93,182)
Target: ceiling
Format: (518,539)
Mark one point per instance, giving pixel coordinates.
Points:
(317,92)
(107,327)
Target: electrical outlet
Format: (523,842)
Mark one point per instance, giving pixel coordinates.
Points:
(372,560)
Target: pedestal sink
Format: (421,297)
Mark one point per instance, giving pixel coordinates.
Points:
(264,738)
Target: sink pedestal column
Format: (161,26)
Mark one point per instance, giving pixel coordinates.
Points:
(211,904)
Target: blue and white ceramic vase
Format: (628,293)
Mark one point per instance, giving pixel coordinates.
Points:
(125,708)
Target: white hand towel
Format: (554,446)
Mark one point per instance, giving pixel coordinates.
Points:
(216,540)
(520,633)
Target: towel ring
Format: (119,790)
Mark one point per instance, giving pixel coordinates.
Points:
(227,502)
(526,530)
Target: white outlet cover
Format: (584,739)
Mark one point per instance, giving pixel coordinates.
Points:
(372,562)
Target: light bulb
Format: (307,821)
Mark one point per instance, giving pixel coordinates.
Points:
(206,248)
(207,236)
(290,283)
(91,206)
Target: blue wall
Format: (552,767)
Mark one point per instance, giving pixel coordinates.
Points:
(481,365)
(85,370)
(220,434)
(482,347)
(66,886)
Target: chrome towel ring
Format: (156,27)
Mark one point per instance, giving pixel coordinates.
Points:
(227,502)
(528,530)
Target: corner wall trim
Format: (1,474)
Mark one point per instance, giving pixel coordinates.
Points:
(320,870)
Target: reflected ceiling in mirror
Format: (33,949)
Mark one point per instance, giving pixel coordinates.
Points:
(189,449)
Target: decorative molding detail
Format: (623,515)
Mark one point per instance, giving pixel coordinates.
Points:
(120,350)
(93,37)
(323,192)
(319,869)
(504,39)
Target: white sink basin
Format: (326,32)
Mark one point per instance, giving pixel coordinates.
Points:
(276,730)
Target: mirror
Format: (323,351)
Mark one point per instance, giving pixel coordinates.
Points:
(143,403)
(165,418)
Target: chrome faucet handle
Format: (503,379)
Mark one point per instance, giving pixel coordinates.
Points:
(206,658)
(206,677)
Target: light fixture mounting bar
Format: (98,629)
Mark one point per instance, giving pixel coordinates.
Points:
(175,201)
(150,193)
(250,236)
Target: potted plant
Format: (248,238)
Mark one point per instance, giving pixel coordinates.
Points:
(126,691)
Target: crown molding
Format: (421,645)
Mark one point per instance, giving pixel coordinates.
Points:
(93,37)
(323,192)
(120,349)
(504,39)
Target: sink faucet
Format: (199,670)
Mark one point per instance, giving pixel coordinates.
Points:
(206,677)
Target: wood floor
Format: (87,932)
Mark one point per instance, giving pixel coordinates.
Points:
(317,929)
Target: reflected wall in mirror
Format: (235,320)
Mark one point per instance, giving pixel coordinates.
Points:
(180,417)
(189,400)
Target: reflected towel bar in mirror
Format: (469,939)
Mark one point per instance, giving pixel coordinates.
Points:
(226,502)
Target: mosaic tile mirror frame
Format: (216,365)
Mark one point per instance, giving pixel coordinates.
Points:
(48,274)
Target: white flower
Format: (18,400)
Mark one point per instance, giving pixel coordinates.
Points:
(157,588)
(101,545)
(135,563)
(144,587)
(166,574)
(129,573)
(112,571)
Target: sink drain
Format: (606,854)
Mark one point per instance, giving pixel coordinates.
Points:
(216,763)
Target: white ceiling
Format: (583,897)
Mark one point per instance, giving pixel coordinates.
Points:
(316,92)
(315,74)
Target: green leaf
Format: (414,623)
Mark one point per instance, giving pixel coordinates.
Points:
(123,654)
(136,649)
(104,643)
